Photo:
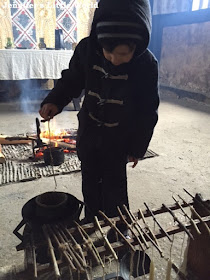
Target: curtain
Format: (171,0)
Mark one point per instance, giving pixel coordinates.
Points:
(85,12)
(28,21)
(67,21)
(45,21)
(5,23)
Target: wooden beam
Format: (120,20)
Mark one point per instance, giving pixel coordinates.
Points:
(183,18)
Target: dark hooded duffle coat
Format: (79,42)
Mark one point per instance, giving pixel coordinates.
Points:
(119,110)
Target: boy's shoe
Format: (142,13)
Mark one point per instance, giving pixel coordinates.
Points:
(85,221)
(128,234)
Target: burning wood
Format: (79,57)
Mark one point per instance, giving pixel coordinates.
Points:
(54,138)
(64,139)
(60,143)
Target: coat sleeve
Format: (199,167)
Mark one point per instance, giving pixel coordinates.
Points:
(145,115)
(72,80)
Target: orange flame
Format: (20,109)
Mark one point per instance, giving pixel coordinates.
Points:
(54,134)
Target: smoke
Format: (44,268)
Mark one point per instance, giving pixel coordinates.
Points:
(31,96)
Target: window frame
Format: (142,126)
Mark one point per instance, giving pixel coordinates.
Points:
(200,5)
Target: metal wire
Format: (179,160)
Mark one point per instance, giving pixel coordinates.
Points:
(51,158)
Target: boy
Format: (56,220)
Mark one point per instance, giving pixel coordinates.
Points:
(119,111)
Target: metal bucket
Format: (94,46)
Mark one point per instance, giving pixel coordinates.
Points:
(131,265)
(135,265)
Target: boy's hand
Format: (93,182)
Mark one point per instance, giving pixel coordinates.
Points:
(134,160)
(48,111)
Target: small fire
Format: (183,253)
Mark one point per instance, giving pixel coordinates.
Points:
(57,138)
(70,141)
(39,154)
(63,138)
(54,134)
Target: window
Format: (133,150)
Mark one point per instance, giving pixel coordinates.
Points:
(200,4)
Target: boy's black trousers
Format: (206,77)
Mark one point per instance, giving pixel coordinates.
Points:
(104,179)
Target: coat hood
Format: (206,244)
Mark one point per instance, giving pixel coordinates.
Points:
(137,11)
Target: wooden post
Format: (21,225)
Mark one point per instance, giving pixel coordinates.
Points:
(198,254)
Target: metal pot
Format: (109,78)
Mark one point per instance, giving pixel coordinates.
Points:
(54,156)
(36,212)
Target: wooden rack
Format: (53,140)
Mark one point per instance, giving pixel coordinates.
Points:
(77,254)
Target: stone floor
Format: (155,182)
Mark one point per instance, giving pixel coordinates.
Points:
(181,138)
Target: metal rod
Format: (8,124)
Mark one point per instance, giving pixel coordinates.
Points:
(154,218)
(34,256)
(77,246)
(89,243)
(51,157)
(118,245)
(117,230)
(106,239)
(130,227)
(179,273)
(136,223)
(136,214)
(78,263)
(197,215)
(69,260)
(178,221)
(52,253)
(72,248)
(199,202)
(147,227)
(186,215)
